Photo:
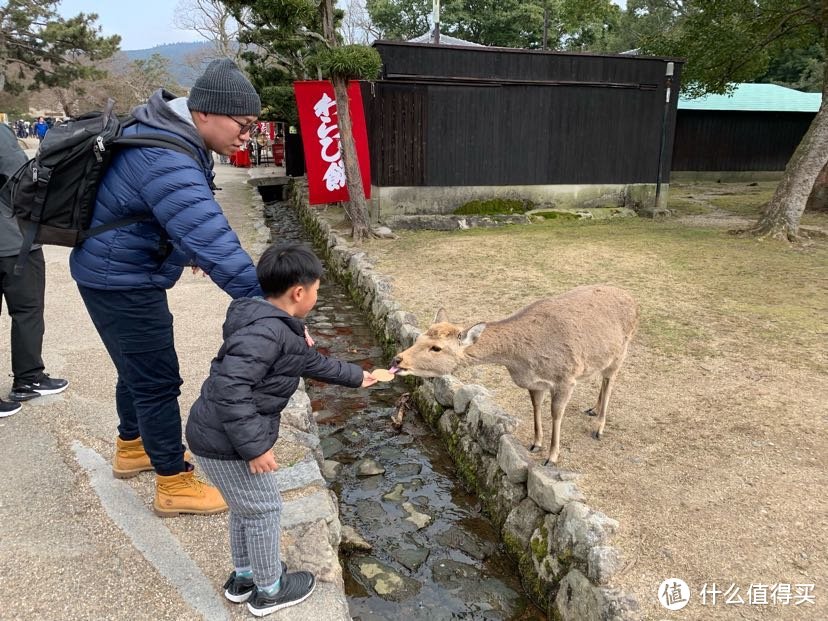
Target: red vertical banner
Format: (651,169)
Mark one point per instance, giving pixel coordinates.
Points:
(267,129)
(316,103)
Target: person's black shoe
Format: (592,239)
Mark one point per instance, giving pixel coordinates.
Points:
(296,587)
(44,385)
(239,590)
(7,408)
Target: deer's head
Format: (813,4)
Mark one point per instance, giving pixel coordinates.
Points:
(439,350)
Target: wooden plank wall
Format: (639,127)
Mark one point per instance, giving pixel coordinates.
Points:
(459,116)
(737,141)
(396,122)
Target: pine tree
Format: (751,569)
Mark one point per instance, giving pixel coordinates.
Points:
(39,48)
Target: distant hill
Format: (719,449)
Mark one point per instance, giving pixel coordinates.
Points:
(181,56)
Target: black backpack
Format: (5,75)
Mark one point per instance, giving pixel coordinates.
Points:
(53,194)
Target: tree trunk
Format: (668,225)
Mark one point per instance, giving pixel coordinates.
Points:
(781,216)
(818,200)
(357,206)
(66,102)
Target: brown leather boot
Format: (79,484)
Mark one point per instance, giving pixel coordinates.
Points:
(131,459)
(184,493)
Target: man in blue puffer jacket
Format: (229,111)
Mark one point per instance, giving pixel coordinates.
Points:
(123,274)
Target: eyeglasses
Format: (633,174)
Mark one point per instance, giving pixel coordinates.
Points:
(244,128)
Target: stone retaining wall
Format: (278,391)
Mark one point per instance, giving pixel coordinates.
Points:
(409,200)
(563,547)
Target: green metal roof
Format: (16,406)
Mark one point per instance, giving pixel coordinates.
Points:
(756,98)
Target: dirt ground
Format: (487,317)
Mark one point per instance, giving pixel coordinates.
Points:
(714,456)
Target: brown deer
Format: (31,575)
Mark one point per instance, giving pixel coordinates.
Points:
(549,345)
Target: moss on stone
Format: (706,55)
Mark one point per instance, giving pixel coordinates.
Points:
(513,545)
(566,560)
(466,468)
(389,346)
(499,509)
(490,508)
(556,215)
(541,544)
(530,578)
(430,411)
(541,592)
(552,612)
(494,206)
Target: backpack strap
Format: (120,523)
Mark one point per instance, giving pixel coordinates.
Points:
(161,141)
(43,174)
(97,230)
(25,247)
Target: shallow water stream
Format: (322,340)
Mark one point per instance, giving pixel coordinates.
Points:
(434,555)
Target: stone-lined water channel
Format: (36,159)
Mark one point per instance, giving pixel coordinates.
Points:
(433,556)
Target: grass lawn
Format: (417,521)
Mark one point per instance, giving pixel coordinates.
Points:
(740,200)
(714,457)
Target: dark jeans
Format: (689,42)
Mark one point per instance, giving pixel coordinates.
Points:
(24,301)
(136,328)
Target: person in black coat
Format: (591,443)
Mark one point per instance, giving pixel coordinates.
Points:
(24,294)
(234,423)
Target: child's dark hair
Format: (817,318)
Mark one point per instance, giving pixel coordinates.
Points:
(283,266)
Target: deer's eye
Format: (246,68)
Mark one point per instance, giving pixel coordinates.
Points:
(435,348)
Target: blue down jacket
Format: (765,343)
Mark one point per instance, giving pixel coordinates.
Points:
(173,188)
(252,378)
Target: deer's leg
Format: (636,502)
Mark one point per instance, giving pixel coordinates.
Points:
(537,402)
(603,405)
(560,397)
(594,411)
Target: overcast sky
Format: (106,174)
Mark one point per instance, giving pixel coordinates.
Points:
(141,23)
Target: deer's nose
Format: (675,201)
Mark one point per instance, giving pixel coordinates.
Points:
(396,361)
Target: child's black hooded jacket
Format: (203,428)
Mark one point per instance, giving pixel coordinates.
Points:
(252,379)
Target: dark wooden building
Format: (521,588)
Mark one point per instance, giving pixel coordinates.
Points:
(476,117)
(756,129)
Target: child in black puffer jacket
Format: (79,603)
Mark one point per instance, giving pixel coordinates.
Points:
(234,424)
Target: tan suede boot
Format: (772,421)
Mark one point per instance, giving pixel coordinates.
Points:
(131,459)
(184,493)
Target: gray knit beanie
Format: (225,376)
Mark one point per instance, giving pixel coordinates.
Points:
(224,89)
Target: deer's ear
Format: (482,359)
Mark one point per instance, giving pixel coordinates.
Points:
(441,316)
(470,336)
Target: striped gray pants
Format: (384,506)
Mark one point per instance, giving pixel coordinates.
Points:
(255,509)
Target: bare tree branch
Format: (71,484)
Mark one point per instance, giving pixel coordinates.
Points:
(212,20)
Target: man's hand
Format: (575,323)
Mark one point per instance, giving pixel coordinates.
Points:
(263,463)
(368,379)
